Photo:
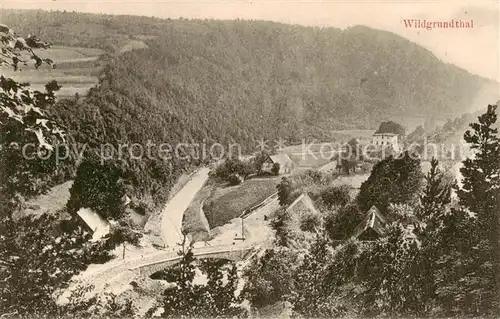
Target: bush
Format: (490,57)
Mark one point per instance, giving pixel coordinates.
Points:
(121,234)
(235,179)
(276,169)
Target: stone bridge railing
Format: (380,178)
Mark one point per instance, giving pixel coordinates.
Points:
(236,254)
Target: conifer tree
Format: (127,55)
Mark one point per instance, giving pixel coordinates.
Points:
(480,193)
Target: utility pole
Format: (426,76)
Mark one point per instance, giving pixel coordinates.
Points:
(242,230)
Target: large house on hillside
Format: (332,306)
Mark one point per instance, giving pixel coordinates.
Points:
(386,140)
(389,134)
(283,160)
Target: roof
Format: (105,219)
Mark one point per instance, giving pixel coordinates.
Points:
(373,220)
(384,134)
(306,202)
(282,159)
(95,222)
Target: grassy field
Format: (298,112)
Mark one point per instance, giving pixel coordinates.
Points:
(310,161)
(76,70)
(219,209)
(193,220)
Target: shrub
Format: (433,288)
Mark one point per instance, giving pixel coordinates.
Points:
(276,169)
(235,179)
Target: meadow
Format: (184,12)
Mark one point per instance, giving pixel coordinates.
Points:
(76,70)
(219,209)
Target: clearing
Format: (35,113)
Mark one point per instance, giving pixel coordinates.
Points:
(219,209)
(76,70)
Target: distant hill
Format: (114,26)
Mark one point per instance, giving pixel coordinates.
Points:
(263,77)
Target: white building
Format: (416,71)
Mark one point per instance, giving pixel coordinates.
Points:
(386,139)
(98,225)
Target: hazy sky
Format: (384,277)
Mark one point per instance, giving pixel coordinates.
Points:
(476,49)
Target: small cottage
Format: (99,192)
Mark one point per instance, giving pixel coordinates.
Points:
(283,160)
(94,222)
(303,204)
(372,226)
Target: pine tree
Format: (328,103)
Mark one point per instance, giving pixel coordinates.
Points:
(436,193)
(431,212)
(480,192)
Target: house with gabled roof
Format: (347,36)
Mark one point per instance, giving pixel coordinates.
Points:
(94,222)
(303,204)
(283,160)
(372,227)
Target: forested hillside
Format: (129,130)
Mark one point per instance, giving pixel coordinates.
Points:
(240,80)
(175,81)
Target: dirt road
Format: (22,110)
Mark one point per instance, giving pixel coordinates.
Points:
(171,216)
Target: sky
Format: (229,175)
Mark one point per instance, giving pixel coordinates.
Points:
(476,49)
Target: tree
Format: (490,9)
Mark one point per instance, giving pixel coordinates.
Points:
(276,169)
(186,299)
(311,222)
(436,194)
(480,192)
(281,225)
(391,127)
(392,180)
(121,234)
(232,167)
(269,278)
(340,225)
(98,186)
(29,136)
(336,195)
(16,49)
(390,271)
(36,259)
(353,150)
(257,162)
(323,281)
(235,179)
(347,165)
(284,191)
(105,305)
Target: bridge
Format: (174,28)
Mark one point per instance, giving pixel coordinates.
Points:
(237,254)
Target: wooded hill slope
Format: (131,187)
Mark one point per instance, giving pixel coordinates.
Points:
(237,82)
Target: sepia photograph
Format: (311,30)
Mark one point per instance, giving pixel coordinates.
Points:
(249,159)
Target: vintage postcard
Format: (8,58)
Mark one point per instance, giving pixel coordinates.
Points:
(249,159)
